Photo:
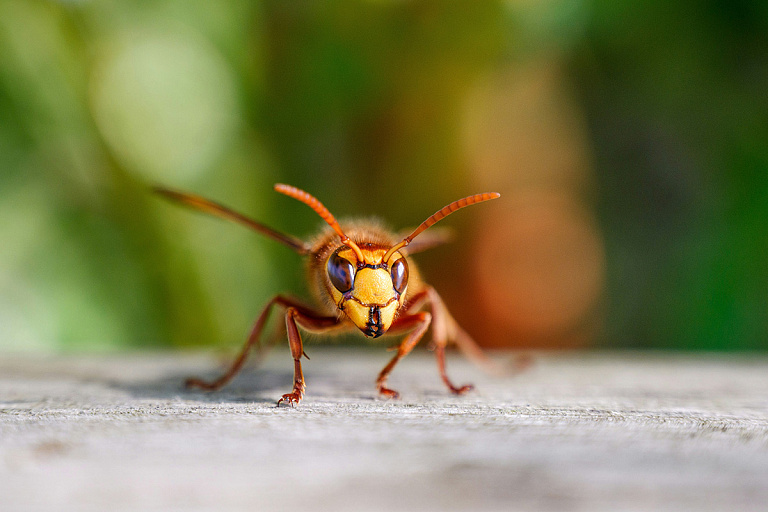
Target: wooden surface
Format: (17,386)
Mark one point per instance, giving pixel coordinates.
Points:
(574,432)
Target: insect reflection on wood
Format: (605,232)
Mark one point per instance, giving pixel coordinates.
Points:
(361,276)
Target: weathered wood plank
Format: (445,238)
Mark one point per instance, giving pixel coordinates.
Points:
(574,432)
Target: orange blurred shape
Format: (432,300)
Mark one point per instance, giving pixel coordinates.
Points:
(543,275)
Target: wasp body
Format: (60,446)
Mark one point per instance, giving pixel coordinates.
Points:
(362,277)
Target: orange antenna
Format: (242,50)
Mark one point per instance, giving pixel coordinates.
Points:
(440,215)
(322,211)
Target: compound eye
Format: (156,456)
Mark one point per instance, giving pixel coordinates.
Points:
(341,272)
(399,275)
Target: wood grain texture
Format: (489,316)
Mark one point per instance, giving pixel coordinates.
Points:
(575,432)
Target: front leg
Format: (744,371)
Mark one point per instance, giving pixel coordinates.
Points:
(312,323)
(419,323)
(297,350)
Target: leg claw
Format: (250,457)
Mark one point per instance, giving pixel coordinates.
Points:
(388,393)
(462,389)
(291,398)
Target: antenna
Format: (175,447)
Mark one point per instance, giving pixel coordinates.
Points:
(440,215)
(322,211)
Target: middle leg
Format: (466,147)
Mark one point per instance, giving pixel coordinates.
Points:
(444,328)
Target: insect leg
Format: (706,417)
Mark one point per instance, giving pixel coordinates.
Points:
(297,350)
(419,322)
(251,342)
(446,329)
(312,323)
(440,336)
(237,364)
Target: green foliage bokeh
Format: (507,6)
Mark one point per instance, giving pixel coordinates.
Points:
(360,103)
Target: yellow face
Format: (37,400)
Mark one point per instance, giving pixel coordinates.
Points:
(369,292)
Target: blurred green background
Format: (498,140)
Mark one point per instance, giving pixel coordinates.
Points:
(629,141)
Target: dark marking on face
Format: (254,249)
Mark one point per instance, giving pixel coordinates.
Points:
(361,265)
(373,327)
